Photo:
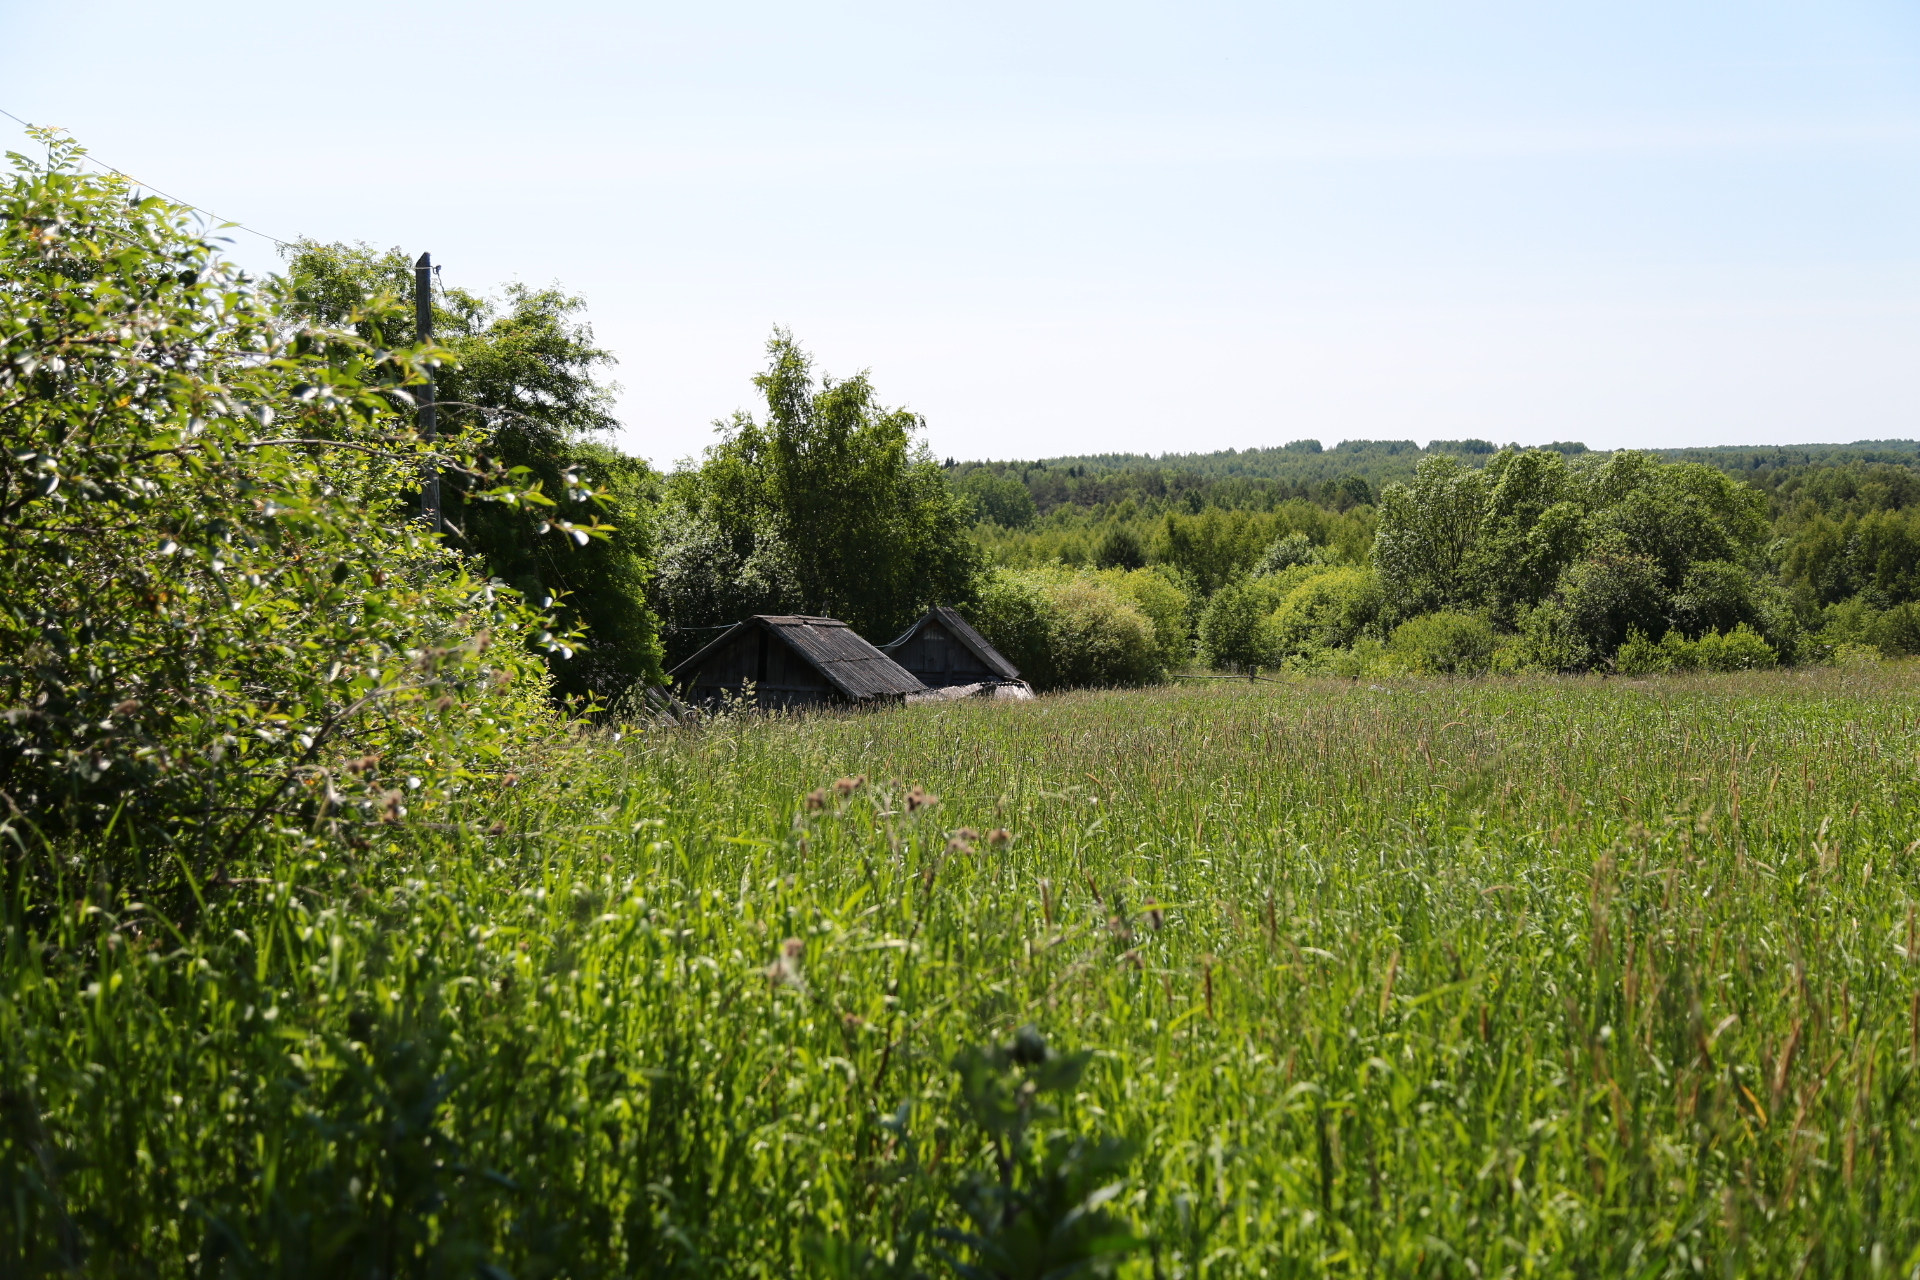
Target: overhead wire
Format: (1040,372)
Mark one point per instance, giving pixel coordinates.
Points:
(185,204)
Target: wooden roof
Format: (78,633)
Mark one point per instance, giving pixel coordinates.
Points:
(852,666)
(962,630)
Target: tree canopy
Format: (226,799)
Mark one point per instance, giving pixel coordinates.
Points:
(829,504)
(525,379)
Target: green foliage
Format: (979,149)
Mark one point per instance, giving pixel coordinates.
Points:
(1000,499)
(1234,635)
(214,597)
(829,507)
(1740,648)
(1214,547)
(1067,630)
(523,378)
(1610,592)
(1156,594)
(1287,552)
(1328,609)
(1041,1212)
(1121,548)
(1444,644)
(1612,544)
(1097,637)
(1876,554)
(1424,550)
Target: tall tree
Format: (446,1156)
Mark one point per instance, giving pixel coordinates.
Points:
(526,378)
(844,511)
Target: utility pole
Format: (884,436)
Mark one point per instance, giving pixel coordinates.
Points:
(423,332)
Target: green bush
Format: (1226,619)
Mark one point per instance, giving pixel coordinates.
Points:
(1549,640)
(1444,644)
(1328,610)
(1011,612)
(1897,630)
(1610,593)
(1099,637)
(1739,649)
(1234,632)
(1068,630)
(1154,592)
(215,610)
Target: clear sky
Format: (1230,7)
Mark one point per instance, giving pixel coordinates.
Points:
(1068,228)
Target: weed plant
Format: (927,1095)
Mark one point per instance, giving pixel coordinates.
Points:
(1536,976)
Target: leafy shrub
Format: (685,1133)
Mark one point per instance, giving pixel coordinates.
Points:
(1549,640)
(1098,637)
(1739,649)
(1011,611)
(1610,593)
(1287,552)
(1897,630)
(1068,630)
(1234,632)
(1154,592)
(1120,549)
(1444,644)
(214,607)
(1328,610)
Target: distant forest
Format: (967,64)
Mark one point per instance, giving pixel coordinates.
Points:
(1349,474)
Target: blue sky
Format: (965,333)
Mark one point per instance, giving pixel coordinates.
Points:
(1065,228)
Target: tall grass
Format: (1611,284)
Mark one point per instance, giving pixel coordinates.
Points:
(1538,976)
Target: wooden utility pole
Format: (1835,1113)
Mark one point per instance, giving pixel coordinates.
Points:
(423,332)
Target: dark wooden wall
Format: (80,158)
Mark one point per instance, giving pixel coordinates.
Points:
(781,677)
(940,660)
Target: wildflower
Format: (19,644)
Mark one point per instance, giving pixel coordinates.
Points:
(919,798)
(962,841)
(847,786)
(126,708)
(1133,958)
(1118,928)
(999,837)
(1155,916)
(816,799)
(363,764)
(497,829)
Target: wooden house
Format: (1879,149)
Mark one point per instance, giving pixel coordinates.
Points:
(943,651)
(793,661)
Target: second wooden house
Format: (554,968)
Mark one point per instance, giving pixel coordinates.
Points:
(943,651)
(789,660)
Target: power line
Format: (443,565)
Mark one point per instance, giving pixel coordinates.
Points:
(176,199)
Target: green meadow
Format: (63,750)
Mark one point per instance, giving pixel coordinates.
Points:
(1518,976)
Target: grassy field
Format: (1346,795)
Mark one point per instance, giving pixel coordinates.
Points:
(1510,977)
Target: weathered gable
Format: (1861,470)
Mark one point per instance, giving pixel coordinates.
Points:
(943,649)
